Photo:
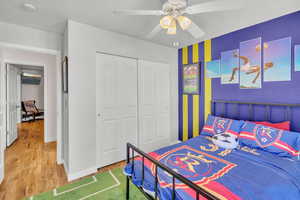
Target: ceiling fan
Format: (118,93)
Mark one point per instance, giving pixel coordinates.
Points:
(174,13)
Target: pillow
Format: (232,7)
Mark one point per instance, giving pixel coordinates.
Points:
(280,142)
(226,141)
(217,125)
(282,125)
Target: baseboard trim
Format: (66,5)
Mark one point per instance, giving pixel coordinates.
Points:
(82,173)
(2,172)
(60,161)
(65,167)
(50,139)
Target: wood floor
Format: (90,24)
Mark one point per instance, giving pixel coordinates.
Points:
(30,164)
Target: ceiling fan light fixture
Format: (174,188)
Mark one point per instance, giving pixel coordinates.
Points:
(184,22)
(166,21)
(172,28)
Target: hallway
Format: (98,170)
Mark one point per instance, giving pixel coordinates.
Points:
(30,164)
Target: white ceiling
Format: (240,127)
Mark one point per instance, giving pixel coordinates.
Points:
(52,15)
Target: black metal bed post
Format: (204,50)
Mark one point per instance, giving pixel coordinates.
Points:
(156,182)
(127,177)
(173,188)
(212,108)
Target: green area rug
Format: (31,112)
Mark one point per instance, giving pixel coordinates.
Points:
(109,185)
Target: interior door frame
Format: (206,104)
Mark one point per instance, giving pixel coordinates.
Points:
(45,76)
(57,54)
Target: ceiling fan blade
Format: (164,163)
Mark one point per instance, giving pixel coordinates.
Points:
(215,6)
(195,31)
(138,12)
(155,31)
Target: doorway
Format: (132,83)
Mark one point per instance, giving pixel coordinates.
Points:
(24,97)
(32,158)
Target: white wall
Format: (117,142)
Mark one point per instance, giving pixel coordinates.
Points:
(17,56)
(35,40)
(33,92)
(83,42)
(15,34)
(65,113)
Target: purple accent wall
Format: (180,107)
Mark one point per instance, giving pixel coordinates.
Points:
(271,92)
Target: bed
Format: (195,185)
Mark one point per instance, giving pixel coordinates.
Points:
(198,169)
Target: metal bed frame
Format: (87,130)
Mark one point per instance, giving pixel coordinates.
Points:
(200,192)
(132,149)
(251,106)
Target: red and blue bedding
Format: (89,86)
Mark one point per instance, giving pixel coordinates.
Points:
(242,173)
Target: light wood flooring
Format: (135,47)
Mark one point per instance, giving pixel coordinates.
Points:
(30,164)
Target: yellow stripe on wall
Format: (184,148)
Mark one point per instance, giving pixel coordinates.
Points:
(185,106)
(185,57)
(195,53)
(195,115)
(185,116)
(207,90)
(196,98)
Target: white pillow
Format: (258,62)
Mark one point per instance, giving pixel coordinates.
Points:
(226,141)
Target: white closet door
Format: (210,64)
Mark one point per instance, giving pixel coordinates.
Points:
(12,104)
(154,109)
(116,102)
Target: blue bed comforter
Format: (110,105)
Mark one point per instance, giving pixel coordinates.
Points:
(243,173)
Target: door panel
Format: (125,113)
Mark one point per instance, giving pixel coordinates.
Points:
(163,126)
(116,105)
(12,104)
(147,129)
(110,129)
(154,110)
(129,133)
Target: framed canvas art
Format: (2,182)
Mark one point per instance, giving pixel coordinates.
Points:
(250,64)
(297,57)
(213,69)
(278,60)
(230,67)
(191,79)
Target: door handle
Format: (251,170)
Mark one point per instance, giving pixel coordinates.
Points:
(99,115)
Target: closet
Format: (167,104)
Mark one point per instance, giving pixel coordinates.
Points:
(132,105)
